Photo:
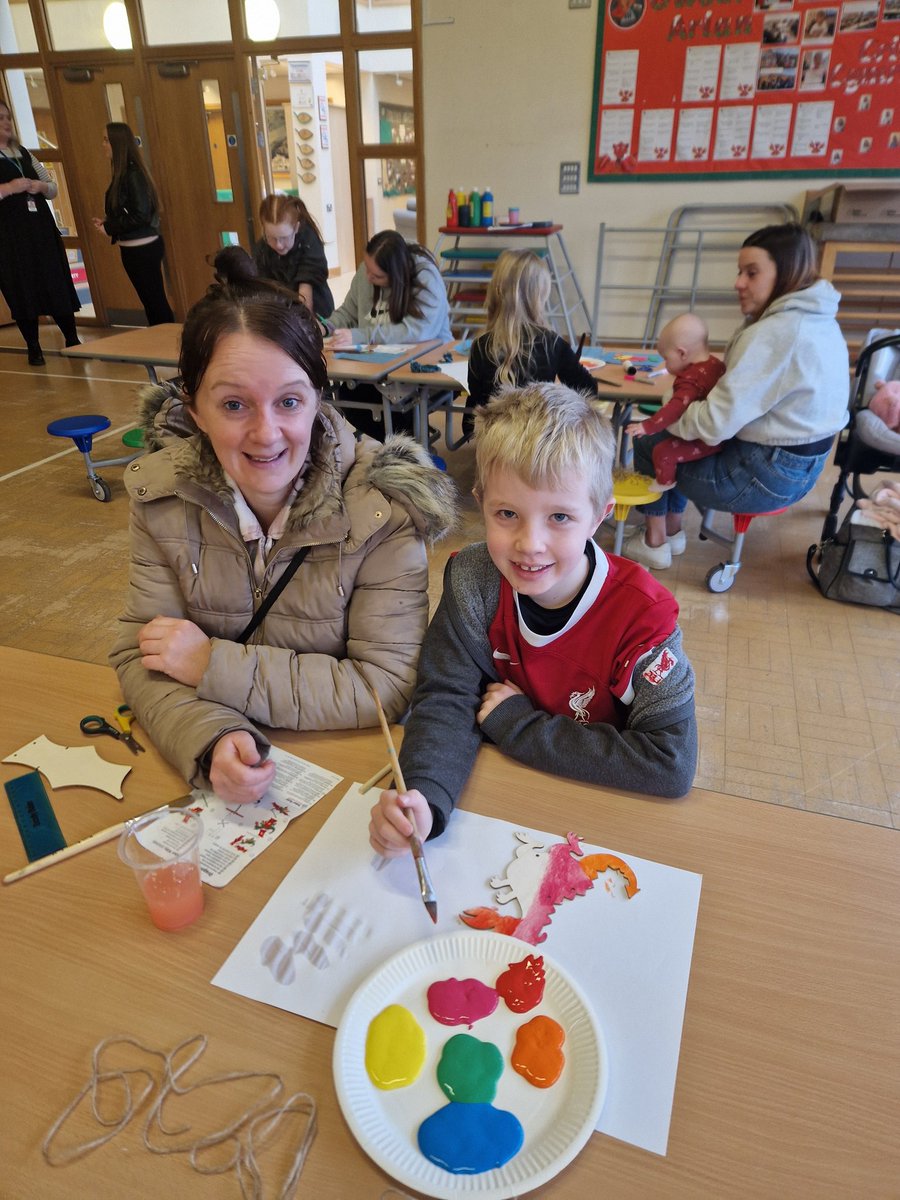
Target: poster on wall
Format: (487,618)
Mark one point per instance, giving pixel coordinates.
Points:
(732,88)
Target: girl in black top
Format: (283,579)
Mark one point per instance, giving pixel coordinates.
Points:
(291,252)
(517,347)
(132,221)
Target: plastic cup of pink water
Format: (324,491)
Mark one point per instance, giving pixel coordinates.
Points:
(163,850)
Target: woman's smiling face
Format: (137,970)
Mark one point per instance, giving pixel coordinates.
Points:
(257,407)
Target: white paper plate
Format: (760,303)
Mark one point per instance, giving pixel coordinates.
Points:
(557,1121)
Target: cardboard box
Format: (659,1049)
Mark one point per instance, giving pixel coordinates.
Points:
(848,204)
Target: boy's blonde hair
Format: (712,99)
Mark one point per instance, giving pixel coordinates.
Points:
(516,299)
(542,432)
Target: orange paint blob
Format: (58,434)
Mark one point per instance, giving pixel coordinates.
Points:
(537,1055)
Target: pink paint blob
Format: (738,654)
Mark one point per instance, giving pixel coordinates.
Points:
(461,1001)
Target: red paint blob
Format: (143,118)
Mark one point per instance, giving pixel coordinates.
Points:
(522,986)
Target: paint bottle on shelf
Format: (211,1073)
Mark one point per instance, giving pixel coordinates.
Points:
(475,207)
(487,208)
(464,211)
(452,209)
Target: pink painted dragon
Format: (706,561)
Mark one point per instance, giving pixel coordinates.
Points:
(540,879)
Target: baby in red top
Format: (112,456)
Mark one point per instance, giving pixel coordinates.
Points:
(684,345)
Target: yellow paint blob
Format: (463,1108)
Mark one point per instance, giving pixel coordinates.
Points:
(395,1048)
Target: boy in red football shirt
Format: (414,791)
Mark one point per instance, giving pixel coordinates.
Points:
(565,657)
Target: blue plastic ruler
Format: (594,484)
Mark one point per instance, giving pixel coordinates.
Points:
(38,827)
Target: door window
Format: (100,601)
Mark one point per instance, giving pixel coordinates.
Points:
(217,142)
(16,28)
(173,22)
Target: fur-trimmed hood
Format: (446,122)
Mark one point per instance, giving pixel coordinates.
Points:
(338,468)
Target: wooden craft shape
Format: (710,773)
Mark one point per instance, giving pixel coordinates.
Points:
(71,766)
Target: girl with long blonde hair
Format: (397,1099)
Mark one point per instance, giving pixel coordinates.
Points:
(517,346)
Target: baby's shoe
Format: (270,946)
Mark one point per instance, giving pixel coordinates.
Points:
(677,542)
(656,558)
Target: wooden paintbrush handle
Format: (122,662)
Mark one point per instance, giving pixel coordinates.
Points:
(50,860)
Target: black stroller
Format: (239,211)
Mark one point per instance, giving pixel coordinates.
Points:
(866,446)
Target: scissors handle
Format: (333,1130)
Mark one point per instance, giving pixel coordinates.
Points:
(124,717)
(93,725)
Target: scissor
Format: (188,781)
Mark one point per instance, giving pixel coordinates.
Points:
(124,717)
(93,726)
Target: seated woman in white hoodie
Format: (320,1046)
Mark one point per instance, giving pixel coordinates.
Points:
(396,296)
(774,412)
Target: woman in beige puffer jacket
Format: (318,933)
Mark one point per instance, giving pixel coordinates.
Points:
(352,617)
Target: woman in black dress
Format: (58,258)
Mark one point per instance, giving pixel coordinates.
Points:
(34,272)
(132,221)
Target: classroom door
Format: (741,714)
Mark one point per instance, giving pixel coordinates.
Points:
(92,97)
(203,182)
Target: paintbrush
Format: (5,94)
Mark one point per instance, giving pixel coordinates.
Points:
(88,843)
(426,887)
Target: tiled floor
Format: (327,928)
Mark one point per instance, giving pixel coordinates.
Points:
(798,698)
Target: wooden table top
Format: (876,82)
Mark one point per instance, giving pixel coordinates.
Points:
(342,369)
(789,1076)
(154,344)
(613,383)
(158,345)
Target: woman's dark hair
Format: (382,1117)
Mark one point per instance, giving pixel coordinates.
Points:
(792,251)
(242,303)
(286,210)
(125,154)
(233,264)
(397,258)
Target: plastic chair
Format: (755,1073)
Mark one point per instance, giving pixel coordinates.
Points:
(81,430)
(721,577)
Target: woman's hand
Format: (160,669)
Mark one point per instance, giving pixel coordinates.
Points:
(496,693)
(99,224)
(15,186)
(35,187)
(340,339)
(237,771)
(390,829)
(635,429)
(180,649)
(883,506)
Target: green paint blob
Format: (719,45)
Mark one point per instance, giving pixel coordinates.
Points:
(469,1070)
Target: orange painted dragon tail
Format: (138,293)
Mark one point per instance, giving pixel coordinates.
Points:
(596,864)
(489,918)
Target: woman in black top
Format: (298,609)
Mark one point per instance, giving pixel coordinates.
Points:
(34,272)
(132,221)
(291,252)
(517,347)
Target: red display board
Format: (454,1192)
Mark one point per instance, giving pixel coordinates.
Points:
(732,88)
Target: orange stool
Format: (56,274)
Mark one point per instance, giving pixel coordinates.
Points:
(721,577)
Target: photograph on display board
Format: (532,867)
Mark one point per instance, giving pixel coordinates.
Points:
(685,90)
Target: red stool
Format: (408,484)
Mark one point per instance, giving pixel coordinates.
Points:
(721,577)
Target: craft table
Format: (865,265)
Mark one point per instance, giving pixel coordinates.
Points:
(436,392)
(789,1076)
(152,346)
(394,399)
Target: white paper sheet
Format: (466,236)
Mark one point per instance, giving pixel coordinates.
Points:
(335,917)
(458,371)
(234,835)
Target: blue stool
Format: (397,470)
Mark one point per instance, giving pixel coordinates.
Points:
(81,430)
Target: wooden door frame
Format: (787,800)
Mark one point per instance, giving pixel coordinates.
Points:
(348,42)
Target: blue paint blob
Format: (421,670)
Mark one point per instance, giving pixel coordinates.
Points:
(468,1139)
